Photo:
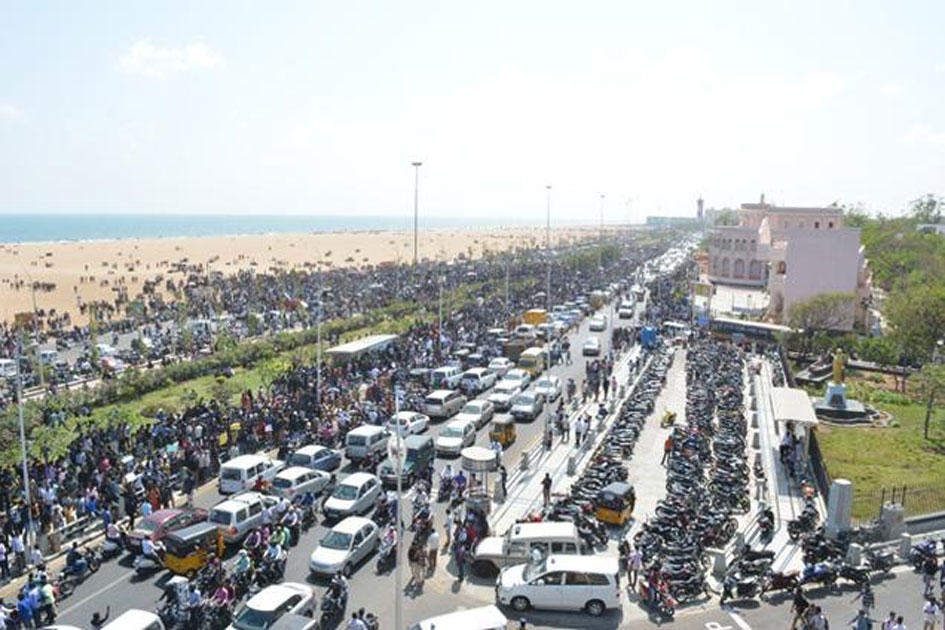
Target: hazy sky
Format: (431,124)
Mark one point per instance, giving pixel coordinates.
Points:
(319,107)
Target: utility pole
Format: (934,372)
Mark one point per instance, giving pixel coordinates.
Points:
(398,456)
(23,449)
(416,206)
(547,353)
(548,249)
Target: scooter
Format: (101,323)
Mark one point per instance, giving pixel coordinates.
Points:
(146,566)
(661,603)
(880,561)
(333,606)
(112,547)
(779,581)
(386,558)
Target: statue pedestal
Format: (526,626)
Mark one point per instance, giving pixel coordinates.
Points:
(836,395)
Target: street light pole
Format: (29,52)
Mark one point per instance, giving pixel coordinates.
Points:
(547,403)
(23,450)
(548,248)
(416,201)
(600,249)
(398,572)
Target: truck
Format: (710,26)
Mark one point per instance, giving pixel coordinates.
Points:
(535,316)
(648,337)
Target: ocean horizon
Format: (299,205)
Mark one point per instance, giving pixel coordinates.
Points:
(66,227)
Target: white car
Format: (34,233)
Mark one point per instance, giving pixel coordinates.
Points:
(561,582)
(598,324)
(297,480)
(500,365)
(410,422)
(266,607)
(355,494)
(625,313)
(477,380)
(501,397)
(518,376)
(549,387)
(527,406)
(455,436)
(344,546)
(479,412)
(591,347)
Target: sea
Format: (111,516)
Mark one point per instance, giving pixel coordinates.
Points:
(39,228)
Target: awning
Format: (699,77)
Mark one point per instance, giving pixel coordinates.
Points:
(792,405)
(479,459)
(360,346)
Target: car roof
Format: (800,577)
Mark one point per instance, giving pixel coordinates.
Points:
(133,618)
(293,472)
(162,515)
(366,429)
(311,449)
(273,596)
(584,564)
(352,524)
(459,422)
(544,529)
(469,619)
(356,479)
(246,460)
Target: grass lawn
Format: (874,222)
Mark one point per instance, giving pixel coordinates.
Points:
(877,458)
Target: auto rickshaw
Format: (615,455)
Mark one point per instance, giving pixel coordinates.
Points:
(614,503)
(503,430)
(188,550)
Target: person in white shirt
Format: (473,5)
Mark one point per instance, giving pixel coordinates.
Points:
(930,613)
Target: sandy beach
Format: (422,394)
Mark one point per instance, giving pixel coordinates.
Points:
(80,272)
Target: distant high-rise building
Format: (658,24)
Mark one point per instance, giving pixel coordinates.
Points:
(700,212)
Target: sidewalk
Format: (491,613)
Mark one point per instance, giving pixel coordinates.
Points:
(646,473)
(524,487)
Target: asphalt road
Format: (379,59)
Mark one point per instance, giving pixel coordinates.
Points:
(115,584)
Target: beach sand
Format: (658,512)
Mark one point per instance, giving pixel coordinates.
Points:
(80,272)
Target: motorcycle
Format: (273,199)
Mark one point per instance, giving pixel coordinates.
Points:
(146,566)
(881,562)
(820,573)
(766,524)
(779,581)
(921,553)
(92,564)
(333,607)
(855,574)
(112,547)
(386,557)
(659,602)
(733,588)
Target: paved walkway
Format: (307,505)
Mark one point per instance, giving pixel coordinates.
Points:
(524,487)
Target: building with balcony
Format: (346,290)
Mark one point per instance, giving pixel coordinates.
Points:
(792,254)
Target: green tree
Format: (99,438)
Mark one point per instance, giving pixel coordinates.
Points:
(930,383)
(824,311)
(917,318)
(927,209)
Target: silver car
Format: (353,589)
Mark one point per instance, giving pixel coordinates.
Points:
(344,546)
(297,480)
(527,406)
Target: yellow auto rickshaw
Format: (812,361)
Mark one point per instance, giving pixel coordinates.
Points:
(503,430)
(188,550)
(614,503)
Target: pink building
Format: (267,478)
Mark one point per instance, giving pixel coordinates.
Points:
(793,253)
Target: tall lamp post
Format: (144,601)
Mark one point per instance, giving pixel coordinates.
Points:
(397,455)
(548,311)
(416,201)
(600,248)
(23,450)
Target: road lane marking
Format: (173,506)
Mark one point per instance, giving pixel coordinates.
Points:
(741,623)
(92,596)
(715,625)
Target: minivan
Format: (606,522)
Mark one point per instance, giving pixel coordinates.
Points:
(240,514)
(7,368)
(419,455)
(521,540)
(241,473)
(482,618)
(443,403)
(366,440)
(447,377)
(478,380)
(591,584)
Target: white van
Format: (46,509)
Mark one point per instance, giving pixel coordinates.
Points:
(521,541)
(48,356)
(447,377)
(366,440)
(135,619)
(443,403)
(588,583)
(482,618)
(236,516)
(241,473)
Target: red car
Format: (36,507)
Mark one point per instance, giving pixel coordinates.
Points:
(159,524)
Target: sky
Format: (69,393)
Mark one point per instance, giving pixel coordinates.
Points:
(223,106)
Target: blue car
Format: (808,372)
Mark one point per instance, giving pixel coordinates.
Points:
(316,457)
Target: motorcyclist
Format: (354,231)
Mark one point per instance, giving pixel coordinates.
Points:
(390,536)
(243,562)
(223,595)
(254,540)
(76,561)
(113,532)
(277,537)
(338,587)
(275,556)
(459,482)
(152,550)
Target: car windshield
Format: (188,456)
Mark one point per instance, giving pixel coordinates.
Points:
(220,517)
(345,492)
(148,525)
(252,619)
(355,440)
(544,382)
(282,482)
(472,408)
(523,399)
(505,388)
(534,570)
(230,473)
(336,540)
(451,432)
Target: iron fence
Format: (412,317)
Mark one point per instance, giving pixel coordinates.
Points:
(915,500)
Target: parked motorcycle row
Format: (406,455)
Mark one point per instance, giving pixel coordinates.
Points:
(706,481)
